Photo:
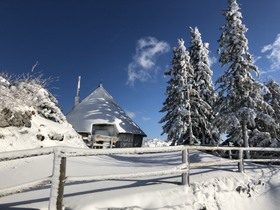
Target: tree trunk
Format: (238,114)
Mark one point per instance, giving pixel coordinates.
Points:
(191,132)
(190,119)
(245,138)
(203,138)
(211,136)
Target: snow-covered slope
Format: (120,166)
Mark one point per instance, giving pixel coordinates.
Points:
(30,117)
(42,133)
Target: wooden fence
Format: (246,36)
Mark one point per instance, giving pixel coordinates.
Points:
(58,177)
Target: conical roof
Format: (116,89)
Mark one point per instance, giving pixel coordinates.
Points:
(100,108)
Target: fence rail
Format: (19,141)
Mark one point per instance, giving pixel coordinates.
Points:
(58,177)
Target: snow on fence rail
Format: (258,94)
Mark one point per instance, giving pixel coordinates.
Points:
(58,177)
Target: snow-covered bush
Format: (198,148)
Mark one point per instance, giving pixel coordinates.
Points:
(30,92)
(30,116)
(47,106)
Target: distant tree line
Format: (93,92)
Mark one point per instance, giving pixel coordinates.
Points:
(245,111)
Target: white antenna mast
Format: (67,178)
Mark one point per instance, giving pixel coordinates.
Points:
(77,97)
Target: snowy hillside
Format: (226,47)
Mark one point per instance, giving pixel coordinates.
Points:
(42,133)
(30,117)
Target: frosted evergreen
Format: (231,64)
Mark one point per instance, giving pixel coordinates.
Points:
(273,98)
(202,83)
(177,104)
(242,112)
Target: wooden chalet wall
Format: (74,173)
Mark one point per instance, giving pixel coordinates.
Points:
(129,140)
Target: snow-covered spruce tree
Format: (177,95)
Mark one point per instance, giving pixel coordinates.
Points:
(241,109)
(273,98)
(176,105)
(202,83)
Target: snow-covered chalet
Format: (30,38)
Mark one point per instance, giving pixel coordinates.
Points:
(102,122)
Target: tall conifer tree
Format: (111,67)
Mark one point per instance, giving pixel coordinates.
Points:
(273,98)
(241,108)
(177,107)
(202,83)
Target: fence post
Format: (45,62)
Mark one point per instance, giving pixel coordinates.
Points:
(58,179)
(241,161)
(186,163)
(230,154)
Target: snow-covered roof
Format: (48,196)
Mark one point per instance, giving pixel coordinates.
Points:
(100,108)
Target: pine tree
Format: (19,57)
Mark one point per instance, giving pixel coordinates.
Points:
(202,83)
(273,98)
(242,111)
(177,107)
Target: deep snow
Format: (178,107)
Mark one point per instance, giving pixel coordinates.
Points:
(215,187)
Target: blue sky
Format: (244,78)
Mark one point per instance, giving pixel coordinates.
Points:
(125,44)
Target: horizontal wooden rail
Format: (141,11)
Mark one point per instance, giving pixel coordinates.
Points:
(213,163)
(71,151)
(262,160)
(25,187)
(75,152)
(125,176)
(13,155)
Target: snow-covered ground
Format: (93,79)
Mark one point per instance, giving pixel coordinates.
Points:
(212,188)
(14,138)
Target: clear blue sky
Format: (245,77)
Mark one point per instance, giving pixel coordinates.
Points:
(103,40)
